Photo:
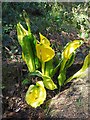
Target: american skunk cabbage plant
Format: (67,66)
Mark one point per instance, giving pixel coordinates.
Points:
(40,58)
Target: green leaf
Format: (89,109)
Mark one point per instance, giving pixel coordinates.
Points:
(48,68)
(70,61)
(27,21)
(62,77)
(48,83)
(21,33)
(68,56)
(28,55)
(25,81)
(27,43)
(86,63)
(36,73)
(36,94)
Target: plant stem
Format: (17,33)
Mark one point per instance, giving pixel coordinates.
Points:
(55,69)
(43,66)
(63,64)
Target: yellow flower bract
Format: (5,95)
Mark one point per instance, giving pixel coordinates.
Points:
(44,51)
(44,40)
(71,48)
(36,94)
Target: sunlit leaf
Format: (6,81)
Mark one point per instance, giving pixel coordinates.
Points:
(27,43)
(49,68)
(68,52)
(36,94)
(86,63)
(21,32)
(27,53)
(48,83)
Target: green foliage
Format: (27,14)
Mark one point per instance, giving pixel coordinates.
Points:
(81,72)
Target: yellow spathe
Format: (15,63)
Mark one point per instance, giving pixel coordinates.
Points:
(36,94)
(71,47)
(44,51)
(44,40)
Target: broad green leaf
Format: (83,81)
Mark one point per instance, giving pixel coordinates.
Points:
(36,94)
(44,53)
(27,54)
(48,83)
(81,73)
(26,41)
(28,44)
(44,40)
(49,68)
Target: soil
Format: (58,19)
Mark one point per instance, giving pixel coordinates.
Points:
(14,106)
